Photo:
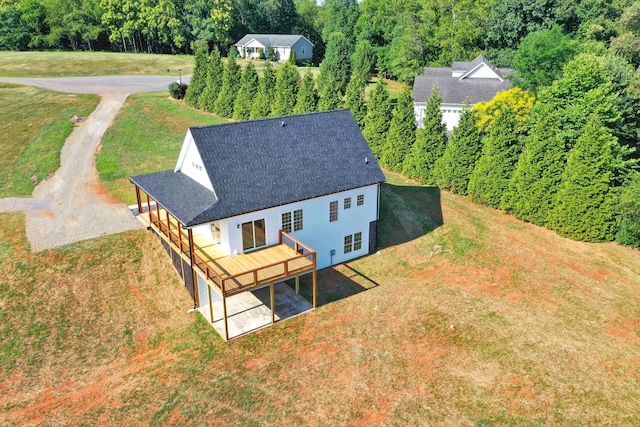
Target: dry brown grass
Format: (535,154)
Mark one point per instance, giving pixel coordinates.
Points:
(545,332)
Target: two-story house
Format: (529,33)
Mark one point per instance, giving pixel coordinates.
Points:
(252,203)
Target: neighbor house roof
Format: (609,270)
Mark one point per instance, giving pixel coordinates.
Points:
(259,164)
(455,89)
(273,40)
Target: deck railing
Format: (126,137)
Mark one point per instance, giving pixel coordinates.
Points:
(231,284)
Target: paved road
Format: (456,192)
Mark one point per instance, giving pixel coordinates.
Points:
(73,205)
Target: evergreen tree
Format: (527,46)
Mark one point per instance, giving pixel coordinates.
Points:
(376,121)
(493,170)
(287,84)
(535,181)
(229,90)
(336,62)
(431,141)
(354,98)
(198,81)
(292,58)
(628,208)
(330,97)
(214,81)
(307,99)
(453,170)
(402,132)
(363,60)
(585,206)
(248,91)
(262,104)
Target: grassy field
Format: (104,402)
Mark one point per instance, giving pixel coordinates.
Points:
(465,316)
(35,124)
(72,64)
(545,332)
(138,142)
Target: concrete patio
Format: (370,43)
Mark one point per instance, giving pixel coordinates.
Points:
(250,311)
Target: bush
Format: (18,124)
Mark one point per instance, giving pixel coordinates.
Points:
(177,90)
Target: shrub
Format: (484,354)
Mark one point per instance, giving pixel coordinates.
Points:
(177,90)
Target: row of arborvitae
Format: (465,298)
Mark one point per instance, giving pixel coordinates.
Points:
(230,91)
(558,161)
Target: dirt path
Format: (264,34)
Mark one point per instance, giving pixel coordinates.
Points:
(74,205)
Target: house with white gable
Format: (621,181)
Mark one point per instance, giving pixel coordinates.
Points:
(282,45)
(477,81)
(250,204)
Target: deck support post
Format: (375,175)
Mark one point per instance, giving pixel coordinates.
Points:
(210,303)
(226,324)
(138,199)
(315,289)
(273,303)
(297,285)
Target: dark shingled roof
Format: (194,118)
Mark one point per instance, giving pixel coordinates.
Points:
(272,40)
(260,164)
(454,90)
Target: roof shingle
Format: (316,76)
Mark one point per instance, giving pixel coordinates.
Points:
(260,164)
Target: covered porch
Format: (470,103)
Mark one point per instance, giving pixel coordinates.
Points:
(249,275)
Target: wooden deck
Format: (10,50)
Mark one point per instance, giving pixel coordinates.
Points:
(230,275)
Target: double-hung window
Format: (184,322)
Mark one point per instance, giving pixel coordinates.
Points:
(352,242)
(333,211)
(292,221)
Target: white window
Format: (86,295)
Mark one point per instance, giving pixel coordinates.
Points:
(333,211)
(287,221)
(352,242)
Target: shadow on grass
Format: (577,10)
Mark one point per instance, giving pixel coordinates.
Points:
(335,283)
(407,212)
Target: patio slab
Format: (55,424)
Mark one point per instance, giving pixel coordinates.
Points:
(251,311)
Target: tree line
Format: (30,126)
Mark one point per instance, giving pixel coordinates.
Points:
(559,149)
(405,35)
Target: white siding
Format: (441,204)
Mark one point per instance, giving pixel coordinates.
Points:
(318,232)
(450,114)
(190,163)
(482,72)
(303,49)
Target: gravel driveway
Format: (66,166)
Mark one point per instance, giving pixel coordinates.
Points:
(73,205)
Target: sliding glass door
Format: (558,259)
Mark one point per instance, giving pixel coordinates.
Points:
(253,234)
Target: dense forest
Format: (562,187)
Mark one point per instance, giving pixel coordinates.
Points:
(560,149)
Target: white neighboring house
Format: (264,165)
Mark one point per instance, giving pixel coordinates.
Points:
(252,203)
(478,81)
(282,44)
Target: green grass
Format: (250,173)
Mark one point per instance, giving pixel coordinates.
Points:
(35,125)
(72,64)
(146,136)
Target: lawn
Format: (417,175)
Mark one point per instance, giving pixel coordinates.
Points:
(146,136)
(465,316)
(477,320)
(35,125)
(73,64)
